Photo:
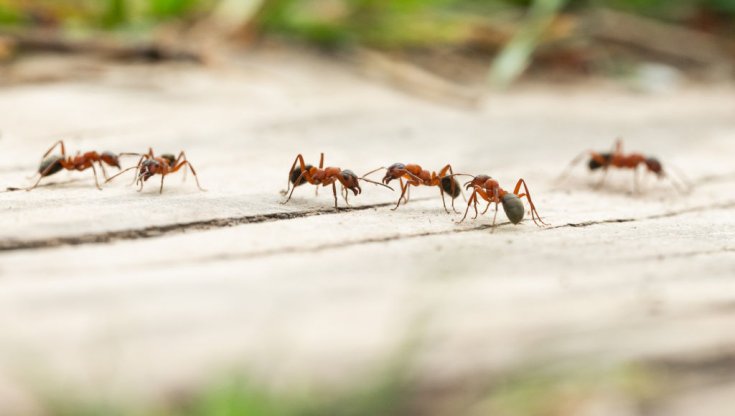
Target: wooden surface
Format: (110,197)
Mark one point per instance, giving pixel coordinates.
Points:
(119,292)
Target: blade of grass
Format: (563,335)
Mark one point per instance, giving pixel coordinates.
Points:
(516,55)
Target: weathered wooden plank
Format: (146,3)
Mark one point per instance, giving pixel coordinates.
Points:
(163,290)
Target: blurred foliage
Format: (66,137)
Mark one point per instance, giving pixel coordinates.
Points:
(331,22)
(108,14)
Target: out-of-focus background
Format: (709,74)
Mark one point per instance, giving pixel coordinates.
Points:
(466,41)
(229,302)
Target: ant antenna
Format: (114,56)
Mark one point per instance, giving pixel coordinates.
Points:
(680,176)
(680,185)
(120,173)
(461,191)
(383,167)
(375,183)
(571,165)
(373,171)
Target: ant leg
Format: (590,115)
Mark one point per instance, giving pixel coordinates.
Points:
(334,191)
(442,174)
(36,184)
(443,201)
(194,173)
(530,201)
(41,176)
(137,167)
(321,161)
(160,191)
(487,207)
(403,192)
(300,160)
(602,181)
(182,156)
(293,189)
(473,198)
(186,163)
(495,217)
(96,181)
(104,171)
(636,184)
(191,167)
(63,149)
(618,149)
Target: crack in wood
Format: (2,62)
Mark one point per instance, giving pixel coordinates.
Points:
(386,239)
(161,230)
(168,229)
(687,254)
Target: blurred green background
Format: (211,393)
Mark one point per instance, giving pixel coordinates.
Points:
(344,22)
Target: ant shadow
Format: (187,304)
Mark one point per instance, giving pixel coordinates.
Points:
(617,185)
(60,184)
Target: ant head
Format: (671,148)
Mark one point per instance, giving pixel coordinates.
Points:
(352,181)
(171,159)
(450,186)
(147,169)
(394,171)
(655,166)
(50,165)
(513,207)
(111,159)
(595,164)
(296,174)
(477,180)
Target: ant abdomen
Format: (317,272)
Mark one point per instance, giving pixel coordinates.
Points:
(451,186)
(170,158)
(50,165)
(296,174)
(513,207)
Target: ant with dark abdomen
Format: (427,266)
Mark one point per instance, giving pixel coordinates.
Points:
(150,165)
(81,161)
(303,173)
(620,160)
(415,175)
(489,189)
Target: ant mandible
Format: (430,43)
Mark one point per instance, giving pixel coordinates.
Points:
(53,164)
(303,173)
(150,165)
(620,160)
(415,175)
(489,189)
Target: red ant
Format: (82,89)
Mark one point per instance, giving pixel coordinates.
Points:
(415,175)
(617,159)
(80,162)
(303,173)
(150,165)
(489,189)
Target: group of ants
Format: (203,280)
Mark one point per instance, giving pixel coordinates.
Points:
(482,187)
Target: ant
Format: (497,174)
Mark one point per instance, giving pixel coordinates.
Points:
(620,160)
(150,165)
(489,189)
(53,164)
(415,175)
(303,173)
